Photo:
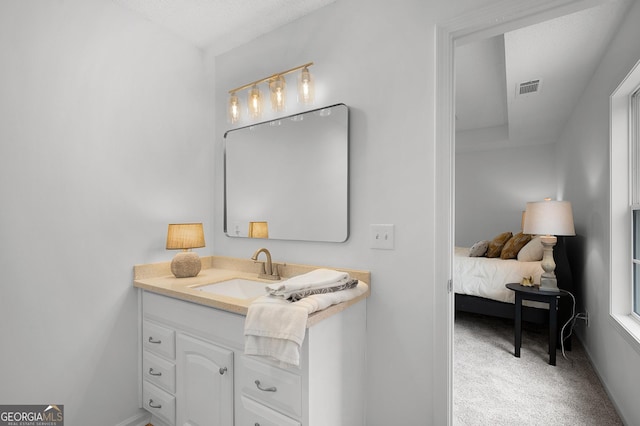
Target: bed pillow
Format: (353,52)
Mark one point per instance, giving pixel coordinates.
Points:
(498,242)
(532,251)
(479,248)
(514,245)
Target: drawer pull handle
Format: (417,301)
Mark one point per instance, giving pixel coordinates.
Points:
(222,370)
(271,389)
(152,405)
(153,373)
(151,340)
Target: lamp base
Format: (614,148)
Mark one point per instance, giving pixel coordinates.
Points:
(549,284)
(186,264)
(548,281)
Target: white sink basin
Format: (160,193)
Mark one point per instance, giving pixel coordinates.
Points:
(238,288)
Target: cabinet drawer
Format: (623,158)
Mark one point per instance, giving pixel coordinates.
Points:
(159,403)
(159,339)
(159,371)
(253,413)
(272,386)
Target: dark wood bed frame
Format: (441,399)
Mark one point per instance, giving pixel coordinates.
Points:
(480,305)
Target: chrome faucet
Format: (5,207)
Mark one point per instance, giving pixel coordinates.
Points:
(267,270)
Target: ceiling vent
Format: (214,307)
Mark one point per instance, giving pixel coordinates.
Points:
(529,87)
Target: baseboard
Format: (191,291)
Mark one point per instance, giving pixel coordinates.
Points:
(605,386)
(140,419)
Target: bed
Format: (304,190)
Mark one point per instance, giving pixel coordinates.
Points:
(479,285)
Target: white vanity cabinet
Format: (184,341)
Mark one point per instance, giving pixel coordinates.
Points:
(187,361)
(199,374)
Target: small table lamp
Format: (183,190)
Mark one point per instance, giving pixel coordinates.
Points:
(258,230)
(185,236)
(549,218)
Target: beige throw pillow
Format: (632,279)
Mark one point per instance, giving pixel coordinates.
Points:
(532,251)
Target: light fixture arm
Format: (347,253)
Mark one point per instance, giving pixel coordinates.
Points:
(271,77)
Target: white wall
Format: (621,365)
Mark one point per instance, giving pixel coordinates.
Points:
(378,58)
(584,179)
(493,187)
(105,139)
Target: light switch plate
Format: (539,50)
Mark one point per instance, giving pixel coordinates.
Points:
(382,236)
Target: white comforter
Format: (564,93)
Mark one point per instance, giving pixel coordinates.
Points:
(485,277)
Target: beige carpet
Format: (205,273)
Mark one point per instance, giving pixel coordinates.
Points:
(492,387)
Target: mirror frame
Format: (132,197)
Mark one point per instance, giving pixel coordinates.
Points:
(342,227)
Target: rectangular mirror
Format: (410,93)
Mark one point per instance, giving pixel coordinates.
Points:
(288,179)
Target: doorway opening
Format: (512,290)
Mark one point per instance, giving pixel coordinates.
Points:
(473,27)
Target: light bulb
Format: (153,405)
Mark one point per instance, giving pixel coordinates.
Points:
(234,109)
(278,93)
(305,87)
(255,102)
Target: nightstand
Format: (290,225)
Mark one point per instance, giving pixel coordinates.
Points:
(535,294)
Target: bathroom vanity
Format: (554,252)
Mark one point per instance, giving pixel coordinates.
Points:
(193,369)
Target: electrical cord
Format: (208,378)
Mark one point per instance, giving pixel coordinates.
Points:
(572,320)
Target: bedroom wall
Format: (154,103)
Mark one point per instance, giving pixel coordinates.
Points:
(583,159)
(493,187)
(105,139)
(378,58)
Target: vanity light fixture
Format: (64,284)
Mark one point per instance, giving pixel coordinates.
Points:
(305,87)
(255,102)
(234,108)
(185,236)
(277,88)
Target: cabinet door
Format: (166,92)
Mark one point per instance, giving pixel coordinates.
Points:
(204,383)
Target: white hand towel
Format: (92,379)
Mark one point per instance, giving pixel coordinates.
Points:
(318,278)
(275,328)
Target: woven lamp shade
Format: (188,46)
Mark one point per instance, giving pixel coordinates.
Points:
(258,230)
(185,236)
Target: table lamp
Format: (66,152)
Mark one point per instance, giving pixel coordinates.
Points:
(548,218)
(258,230)
(185,236)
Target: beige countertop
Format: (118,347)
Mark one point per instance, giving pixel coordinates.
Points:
(157,278)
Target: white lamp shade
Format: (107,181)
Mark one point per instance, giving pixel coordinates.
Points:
(549,217)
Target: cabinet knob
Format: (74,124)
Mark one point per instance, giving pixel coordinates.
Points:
(222,370)
(152,405)
(151,340)
(153,373)
(263,389)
